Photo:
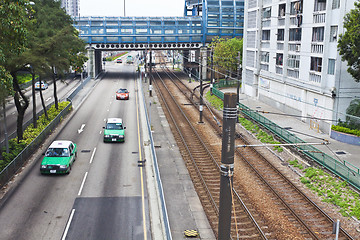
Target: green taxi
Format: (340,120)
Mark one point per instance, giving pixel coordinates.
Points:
(59,157)
(114,130)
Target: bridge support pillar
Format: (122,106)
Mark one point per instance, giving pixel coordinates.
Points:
(91,62)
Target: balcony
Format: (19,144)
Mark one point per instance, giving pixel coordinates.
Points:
(294,47)
(319,17)
(279,70)
(293,73)
(315,77)
(317,48)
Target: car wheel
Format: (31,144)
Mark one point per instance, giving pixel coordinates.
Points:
(69,169)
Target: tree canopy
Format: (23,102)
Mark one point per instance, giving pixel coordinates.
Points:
(39,38)
(226,54)
(349,42)
(14,23)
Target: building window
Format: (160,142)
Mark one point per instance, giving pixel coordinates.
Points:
(266,35)
(279,59)
(267,12)
(295,34)
(296,8)
(335,4)
(333,33)
(331,66)
(316,64)
(264,57)
(320,5)
(282,10)
(294,61)
(280,34)
(318,34)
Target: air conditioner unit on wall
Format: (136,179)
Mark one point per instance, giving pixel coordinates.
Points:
(297,48)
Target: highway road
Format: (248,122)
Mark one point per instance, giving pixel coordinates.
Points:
(64,87)
(104,196)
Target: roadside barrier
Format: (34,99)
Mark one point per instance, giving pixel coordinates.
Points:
(8,172)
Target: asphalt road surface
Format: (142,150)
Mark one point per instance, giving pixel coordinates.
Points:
(104,196)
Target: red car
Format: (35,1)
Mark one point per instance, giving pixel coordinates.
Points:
(122,94)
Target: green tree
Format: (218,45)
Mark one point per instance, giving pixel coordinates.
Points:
(349,42)
(13,32)
(226,54)
(15,18)
(58,41)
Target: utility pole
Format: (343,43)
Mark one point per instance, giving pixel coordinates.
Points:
(227,165)
(124,8)
(201,91)
(238,84)
(212,71)
(239,79)
(150,63)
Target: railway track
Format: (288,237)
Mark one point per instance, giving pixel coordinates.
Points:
(203,166)
(303,214)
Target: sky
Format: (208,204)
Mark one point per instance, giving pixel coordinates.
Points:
(138,8)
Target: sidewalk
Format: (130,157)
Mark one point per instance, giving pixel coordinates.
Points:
(335,149)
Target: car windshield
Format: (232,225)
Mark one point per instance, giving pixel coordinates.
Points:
(114,126)
(57,152)
(122,91)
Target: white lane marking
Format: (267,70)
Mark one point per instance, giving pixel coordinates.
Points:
(82,184)
(100,132)
(81,128)
(92,156)
(68,224)
(48,99)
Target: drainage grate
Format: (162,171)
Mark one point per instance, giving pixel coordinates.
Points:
(340,152)
(134,152)
(85,151)
(287,128)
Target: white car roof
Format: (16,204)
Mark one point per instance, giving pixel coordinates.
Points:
(60,144)
(114,120)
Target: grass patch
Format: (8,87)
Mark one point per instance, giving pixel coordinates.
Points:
(260,134)
(333,190)
(24,77)
(214,101)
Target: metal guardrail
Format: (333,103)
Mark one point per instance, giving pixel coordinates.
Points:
(26,124)
(157,173)
(344,170)
(19,160)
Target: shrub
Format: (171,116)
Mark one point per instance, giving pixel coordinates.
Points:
(343,129)
(29,135)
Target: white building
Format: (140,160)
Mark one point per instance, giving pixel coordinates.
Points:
(72,7)
(291,61)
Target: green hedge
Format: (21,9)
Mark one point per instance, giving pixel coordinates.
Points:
(355,132)
(29,135)
(112,58)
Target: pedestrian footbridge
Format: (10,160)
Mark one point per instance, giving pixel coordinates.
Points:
(203,20)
